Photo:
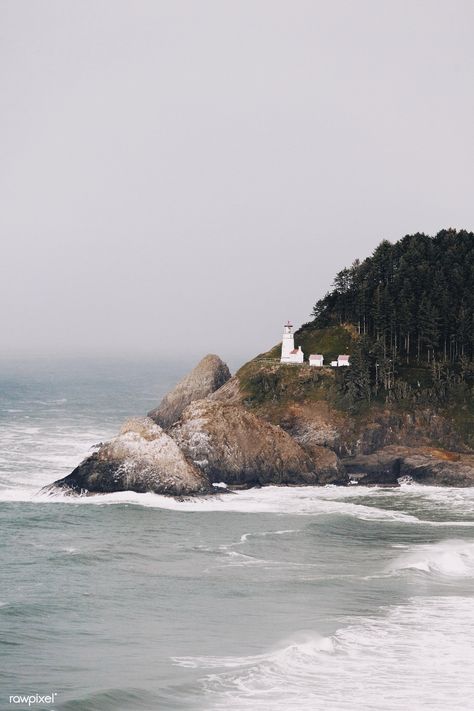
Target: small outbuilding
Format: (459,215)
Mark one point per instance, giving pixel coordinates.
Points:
(296,355)
(342,360)
(316,360)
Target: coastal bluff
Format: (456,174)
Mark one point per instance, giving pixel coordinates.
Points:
(232,445)
(270,424)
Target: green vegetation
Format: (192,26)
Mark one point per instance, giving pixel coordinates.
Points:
(405,316)
(331,342)
(411,310)
(263,383)
(415,298)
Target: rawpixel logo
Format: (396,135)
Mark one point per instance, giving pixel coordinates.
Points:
(33,699)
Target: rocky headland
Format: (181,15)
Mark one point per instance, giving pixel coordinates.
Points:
(270,423)
(404,408)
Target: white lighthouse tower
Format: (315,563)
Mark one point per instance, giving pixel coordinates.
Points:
(290,354)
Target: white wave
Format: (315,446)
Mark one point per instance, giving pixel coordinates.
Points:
(445,500)
(418,656)
(453,558)
(305,501)
(33,454)
(271,499)
(245,536)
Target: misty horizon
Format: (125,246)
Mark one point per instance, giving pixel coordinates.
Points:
(182,179)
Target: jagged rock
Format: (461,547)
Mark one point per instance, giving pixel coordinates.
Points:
(229,392)
(230,444)
(422,464)
(207,377)
(327,464)
(315,426)
(141,458)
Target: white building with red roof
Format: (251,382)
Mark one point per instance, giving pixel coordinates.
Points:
(316,360)
(342,360)
(290,354)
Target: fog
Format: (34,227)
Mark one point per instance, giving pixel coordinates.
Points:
(183,177)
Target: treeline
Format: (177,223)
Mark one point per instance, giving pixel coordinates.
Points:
(413,299)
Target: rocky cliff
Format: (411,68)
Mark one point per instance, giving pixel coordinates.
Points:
(208,376)
(273,424)
(424,465)
(141,458)
(419,437)
(231,444)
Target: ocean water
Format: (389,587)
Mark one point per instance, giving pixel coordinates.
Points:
(275,599)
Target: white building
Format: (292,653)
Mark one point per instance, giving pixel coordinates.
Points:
(316,360)
(342,360)
(290,354)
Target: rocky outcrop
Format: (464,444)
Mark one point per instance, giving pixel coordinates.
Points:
(317,424)
(141,458)
(230,444)
(422,464)
(207,377)
(327,464)
(229,392)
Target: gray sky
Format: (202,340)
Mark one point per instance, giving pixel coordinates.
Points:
(181,177)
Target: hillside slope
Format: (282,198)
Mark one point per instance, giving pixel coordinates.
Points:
(406,317)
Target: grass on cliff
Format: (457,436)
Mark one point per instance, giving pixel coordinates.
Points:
(264,381)
(331,342)
(272,388)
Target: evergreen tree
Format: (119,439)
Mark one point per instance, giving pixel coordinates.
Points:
(414,297)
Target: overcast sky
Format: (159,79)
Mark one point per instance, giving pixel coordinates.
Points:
(182,177)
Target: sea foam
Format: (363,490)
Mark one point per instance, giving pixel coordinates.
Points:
(453,558)
(416,656)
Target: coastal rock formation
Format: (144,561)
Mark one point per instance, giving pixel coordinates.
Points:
(141,458)
(425,465)
(229,392)
(230,444)
(327,464)
(208,376)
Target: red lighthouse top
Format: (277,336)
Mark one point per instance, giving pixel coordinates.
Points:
(288,325)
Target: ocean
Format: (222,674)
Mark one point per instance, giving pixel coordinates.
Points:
(273,599)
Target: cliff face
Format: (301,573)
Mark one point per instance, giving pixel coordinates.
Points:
(209,375)
(424,465)
(276,424)
(416,437)
(230,444)
(307,403)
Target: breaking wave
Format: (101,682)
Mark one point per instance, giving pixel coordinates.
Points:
(454,558)
(417,656)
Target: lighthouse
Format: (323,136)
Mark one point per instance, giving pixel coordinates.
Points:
(290,354)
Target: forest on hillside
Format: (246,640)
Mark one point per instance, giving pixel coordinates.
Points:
(412,304)
(416,297)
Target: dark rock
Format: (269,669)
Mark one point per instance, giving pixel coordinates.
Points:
(141,458)
(422,464)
